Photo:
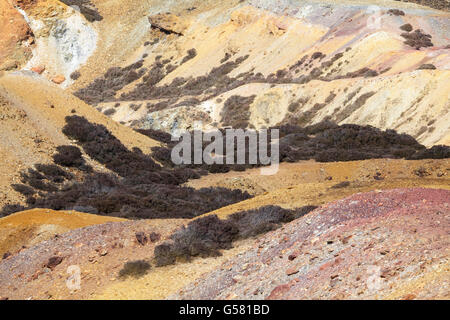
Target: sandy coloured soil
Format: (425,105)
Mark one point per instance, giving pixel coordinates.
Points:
(33,114)
(380,222)
(28,228)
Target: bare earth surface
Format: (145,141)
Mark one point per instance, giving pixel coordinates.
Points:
(31,121)
(99,251)
(385,244)
(275,36)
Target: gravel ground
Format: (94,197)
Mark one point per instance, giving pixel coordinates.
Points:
(382,244)
(100,251)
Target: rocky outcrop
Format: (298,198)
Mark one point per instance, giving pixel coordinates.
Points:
(168,23)
(16,38)
(64,38)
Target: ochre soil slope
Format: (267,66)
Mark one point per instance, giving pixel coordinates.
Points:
(315,60)
(336,42)
(356,63)
(28,228)
(311,183)
(100,251)
(295,185)
(32,116)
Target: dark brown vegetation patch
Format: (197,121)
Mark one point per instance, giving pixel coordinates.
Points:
(134,269)
(109,112)
(137,187)
(203,87)
(317,55)
(327,142)
(435,152)
(340,185)
(364,72)
(104,89)
(75,75)
(417,39)
(324,142)
(208,235)
(396,12)
(427,66)
(191,54)
(407,27)
(215,82)
(236,111)
(68,156)
(436,4)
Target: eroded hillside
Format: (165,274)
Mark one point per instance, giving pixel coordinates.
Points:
(167,64)
(90,91)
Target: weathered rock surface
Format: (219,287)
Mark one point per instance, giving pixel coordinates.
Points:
(15,38)
(383,244)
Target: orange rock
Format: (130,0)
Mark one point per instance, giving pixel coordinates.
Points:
(409,296)
(38,69)
(13,31)
(59,79)
(326,265)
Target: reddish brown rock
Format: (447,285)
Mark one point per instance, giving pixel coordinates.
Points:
(279,291)
(36,275)
(38,69)
(14,32)
(409,296)
(58,79)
